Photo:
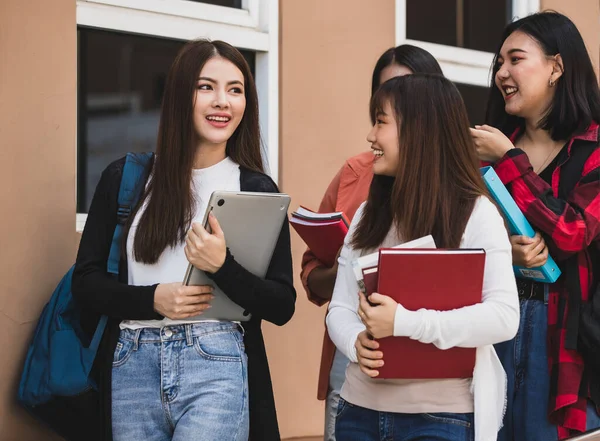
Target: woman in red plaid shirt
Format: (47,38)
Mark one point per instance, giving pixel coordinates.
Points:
(542,137)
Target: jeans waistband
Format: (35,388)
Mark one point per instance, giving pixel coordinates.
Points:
(530,290)
(178,332)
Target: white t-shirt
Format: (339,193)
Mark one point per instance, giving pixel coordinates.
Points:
(172,264)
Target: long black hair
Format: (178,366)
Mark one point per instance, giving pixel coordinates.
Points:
(576,101)
(170,204)
(416,59)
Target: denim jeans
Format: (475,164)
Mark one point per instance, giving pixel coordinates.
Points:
(525,360)
(337,375)
(355,423)
(180,383)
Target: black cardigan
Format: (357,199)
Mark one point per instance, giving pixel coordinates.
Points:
(272,299)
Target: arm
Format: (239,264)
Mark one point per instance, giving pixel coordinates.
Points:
(569,225)
(272,298)
(92,286)
(317,279)
(494,320)
(343,322)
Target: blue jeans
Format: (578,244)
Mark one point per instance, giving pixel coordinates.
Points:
(337,375)
(180,383)
(355,423)
(525,360)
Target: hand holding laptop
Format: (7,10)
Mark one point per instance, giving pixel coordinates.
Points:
(206,251)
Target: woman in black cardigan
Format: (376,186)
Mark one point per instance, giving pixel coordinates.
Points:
(208,139)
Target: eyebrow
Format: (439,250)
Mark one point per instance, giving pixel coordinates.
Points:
(512,51)
(229,83)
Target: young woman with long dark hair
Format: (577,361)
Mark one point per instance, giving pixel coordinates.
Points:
(163,372)
(427,181)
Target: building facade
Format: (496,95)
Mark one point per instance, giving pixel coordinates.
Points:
(81,83)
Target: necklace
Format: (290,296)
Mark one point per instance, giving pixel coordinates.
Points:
(541,167)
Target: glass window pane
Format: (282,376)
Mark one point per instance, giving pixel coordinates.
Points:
(473,24)
(121,78)
(228,3)
(484,22)
(475,99)
(433,21)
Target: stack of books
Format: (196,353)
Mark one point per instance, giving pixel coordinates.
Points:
(324,233)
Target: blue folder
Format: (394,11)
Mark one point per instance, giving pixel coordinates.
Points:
(518,224)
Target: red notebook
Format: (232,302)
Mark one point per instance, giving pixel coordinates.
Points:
(432,279)
(324,233)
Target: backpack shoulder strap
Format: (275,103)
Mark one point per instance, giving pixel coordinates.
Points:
(134,171)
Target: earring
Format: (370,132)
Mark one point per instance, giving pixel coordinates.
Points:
(551,83)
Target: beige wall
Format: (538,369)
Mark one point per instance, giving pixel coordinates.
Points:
(328,50)
(586,16)
(37,183)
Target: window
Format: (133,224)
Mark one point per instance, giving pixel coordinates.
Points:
(463,36)
(472,24)
(227,3)
(120,88)
(125,48)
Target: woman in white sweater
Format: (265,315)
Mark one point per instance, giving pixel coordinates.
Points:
(427,181)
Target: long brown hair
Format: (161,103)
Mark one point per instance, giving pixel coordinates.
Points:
(437,180)
(170,205)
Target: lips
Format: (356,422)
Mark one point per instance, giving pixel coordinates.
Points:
(218,120)
(509,91)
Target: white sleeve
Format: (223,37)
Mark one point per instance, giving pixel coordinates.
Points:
(343,322)
(494,320)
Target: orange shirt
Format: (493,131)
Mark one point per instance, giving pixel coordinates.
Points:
(348,189)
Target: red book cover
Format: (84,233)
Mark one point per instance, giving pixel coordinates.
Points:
(441,280)
(324,233)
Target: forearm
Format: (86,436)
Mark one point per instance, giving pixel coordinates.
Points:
(321,281)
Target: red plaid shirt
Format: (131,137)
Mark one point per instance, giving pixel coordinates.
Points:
(571,225)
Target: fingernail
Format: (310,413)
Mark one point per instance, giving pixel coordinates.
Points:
(381,363)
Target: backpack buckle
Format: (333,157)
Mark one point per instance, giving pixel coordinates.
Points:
(123,212)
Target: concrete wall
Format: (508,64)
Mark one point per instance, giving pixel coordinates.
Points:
(37,184)
(328,51)
(586,16)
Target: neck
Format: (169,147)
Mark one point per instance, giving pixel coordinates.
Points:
(209,155)
(536,135)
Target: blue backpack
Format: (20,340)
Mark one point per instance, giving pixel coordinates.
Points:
(58,362)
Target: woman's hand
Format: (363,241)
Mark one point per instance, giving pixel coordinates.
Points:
(204,250)
(368,357)
(529,252)
(177,301)
(379,319)
(490,142)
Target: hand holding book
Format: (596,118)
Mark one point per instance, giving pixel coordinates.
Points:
(378,318)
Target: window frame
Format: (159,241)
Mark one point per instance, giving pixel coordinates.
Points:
(255,27)
(461,65)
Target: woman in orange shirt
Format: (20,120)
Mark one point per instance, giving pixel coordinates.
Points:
(348,189)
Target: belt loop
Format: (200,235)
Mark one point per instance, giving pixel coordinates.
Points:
(189,339)
(546,293)
(531,285)
(242,330)
(136,338)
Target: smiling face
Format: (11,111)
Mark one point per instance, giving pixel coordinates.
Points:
(385,142)
(526,77)
(219,102)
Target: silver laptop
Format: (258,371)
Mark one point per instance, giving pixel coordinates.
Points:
(251,223)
